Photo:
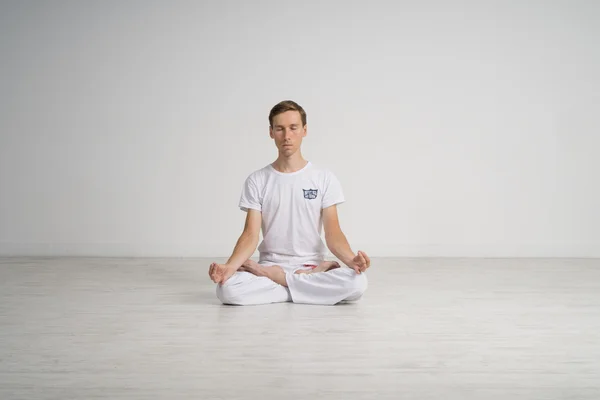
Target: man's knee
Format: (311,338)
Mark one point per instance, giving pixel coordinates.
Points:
(356,285)
(359,284)
(228,293)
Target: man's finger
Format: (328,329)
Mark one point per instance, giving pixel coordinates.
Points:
(225,277)
(356,269)
(363,261)
(362,258)
(217,274)
(366,258)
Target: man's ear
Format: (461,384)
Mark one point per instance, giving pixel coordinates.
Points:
(271,132)
(305,130)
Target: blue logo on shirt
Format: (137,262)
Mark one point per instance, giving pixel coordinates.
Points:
(310,194)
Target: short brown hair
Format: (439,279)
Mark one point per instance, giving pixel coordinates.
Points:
(286,105)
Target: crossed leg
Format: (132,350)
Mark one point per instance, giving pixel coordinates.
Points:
(260,270)
(325,284)
(245,288)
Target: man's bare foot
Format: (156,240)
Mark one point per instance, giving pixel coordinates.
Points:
(326,266)
(273,272)
(253,267)
(276,274)
(322,267)
(250,264)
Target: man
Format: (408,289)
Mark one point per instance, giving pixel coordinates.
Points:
(291,200)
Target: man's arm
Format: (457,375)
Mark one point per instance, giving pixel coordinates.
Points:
(244,248)
(338,244)
(248,240)
(334,237)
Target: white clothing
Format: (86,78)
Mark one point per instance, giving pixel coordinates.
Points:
(323,288)
(291,205)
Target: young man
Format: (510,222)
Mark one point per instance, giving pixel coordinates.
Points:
(291,200)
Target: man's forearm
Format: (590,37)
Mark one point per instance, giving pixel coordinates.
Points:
(339,246)
(244,248)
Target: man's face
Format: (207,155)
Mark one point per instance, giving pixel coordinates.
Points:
(287,131)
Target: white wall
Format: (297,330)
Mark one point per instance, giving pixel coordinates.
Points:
(456,128)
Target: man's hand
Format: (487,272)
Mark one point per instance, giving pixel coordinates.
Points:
(360,262)
(219,273)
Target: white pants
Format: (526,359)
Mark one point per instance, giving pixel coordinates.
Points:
(324,288)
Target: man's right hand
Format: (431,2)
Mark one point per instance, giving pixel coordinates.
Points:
(219,273)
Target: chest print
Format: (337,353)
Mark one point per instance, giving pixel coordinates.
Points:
(310,194)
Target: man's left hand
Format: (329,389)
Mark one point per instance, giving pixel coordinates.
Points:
(360,262)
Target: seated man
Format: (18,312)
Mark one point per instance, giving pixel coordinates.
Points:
(292,200)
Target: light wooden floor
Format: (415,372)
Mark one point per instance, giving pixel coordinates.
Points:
(425,329)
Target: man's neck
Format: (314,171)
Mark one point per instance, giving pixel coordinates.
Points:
(290,164)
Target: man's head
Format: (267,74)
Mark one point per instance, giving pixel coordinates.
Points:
(287,126)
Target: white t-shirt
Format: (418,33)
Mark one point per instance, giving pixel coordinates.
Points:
(291,205)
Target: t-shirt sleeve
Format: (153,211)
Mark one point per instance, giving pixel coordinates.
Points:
(333,193)
(250,198)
